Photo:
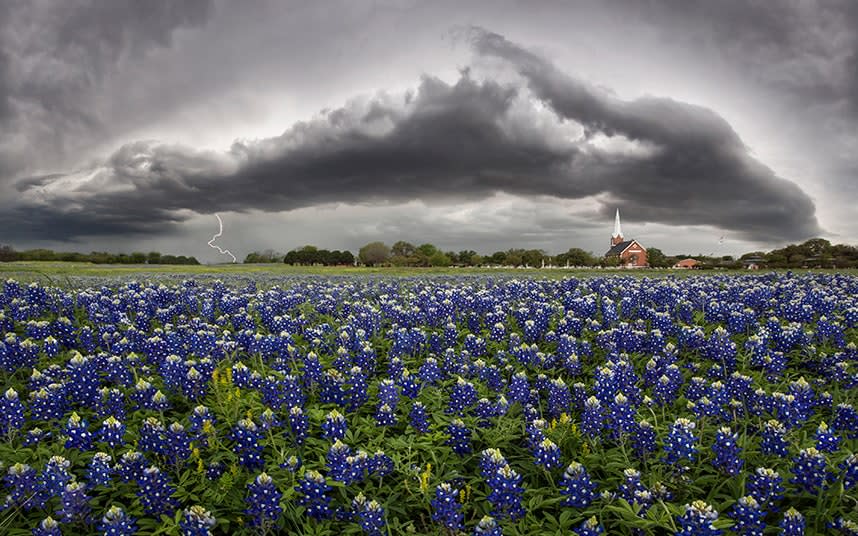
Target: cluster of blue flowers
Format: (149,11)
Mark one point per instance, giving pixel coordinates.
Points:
(169,391)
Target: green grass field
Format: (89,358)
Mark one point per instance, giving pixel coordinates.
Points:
(50,271)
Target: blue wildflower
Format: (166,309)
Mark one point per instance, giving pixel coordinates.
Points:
(334,426)
(263,502)
(99,471)
(315,500)
(418,418)
(370,515)
(487,527)
(748,517)
(578,488)
(505,495)
(117,523)
(156,493)
(727,451)
(765,485)
(809,470)
(47,527)
(697,520)
(75,504)
(196,521)
(446,508)
(460,437)
(589,527)
(680,442)
(826,439)
(774,439)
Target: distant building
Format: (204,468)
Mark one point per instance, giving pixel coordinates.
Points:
(687,264)
(753,263)
(630,252)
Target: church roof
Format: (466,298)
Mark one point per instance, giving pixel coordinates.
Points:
(619,248)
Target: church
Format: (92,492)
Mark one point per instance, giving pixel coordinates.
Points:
(630,252)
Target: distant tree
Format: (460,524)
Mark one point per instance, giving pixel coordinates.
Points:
(465,256)
(402,249)
(374,253)
(497,258)
(7,254)
(137,257)
(439,258)
(153,257)
(576,257)
(656,258)
(476,260)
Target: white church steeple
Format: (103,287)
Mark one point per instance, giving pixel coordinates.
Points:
(617,235)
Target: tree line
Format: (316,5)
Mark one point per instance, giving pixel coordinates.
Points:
(9,254)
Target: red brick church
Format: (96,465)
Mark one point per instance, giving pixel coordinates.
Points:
(630,252)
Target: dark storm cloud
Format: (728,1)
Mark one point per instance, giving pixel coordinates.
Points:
(806,48)
(54,57)
(465,140)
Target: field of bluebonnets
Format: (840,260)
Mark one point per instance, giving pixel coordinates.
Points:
(444,405)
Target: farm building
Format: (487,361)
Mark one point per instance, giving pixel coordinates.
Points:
(630,252)
(687,264)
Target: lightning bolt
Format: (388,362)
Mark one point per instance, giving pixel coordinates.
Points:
(215,237)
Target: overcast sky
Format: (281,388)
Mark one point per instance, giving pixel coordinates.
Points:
(715,127)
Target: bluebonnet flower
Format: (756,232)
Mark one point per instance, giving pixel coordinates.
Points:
(844,526)
(337,459)
(214,470)
(463,396)
(460,437)
(178,442)
(849,469)
(634,492)
(156,493)
(117,523)
(559,398)
(490,461)
(78,435)
(765,485)
(202,425)
(35,436)
(484,411)
(519,388)
(644,439)
(130,466)
(299,423)
(55,476)
(505,495)
(11,413)
(268,420)
(25,490)
(370,515)
(263,502)
(47,527)
(380,464)
(446,508)
(430,372)
(727,451)
(846,420)
(99,470)
(75,503)
(589,527)
(246,436)
(410,384)
(334,426)
(547,454)
(697,520)
(774,439)
(358,388)
(593,418)
(680,442)
(666,389)
(153,437)
(112,432)
(196,521)
(315,500)
(48,403)
(826,440)
(809,470)
(577,486)
(418,418)
(622,416)
(748,516)
(487,527)
(384,416)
